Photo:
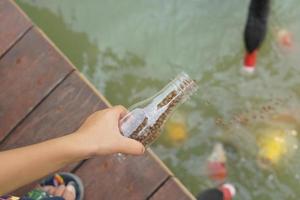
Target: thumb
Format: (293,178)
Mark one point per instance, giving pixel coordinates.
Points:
(131,146)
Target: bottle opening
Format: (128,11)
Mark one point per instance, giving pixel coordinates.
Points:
(185,85)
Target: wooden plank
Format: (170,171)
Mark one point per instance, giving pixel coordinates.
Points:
(172,189)
(134,178)
(62,112)
(13,24)
(29,71)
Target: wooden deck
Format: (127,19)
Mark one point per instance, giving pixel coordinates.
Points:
(43,96)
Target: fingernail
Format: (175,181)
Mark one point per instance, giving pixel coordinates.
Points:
(70,187)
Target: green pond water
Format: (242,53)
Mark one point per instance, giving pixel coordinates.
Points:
(130,49)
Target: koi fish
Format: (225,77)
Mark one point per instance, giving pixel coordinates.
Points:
(275,145)
(176,128)
(216,164)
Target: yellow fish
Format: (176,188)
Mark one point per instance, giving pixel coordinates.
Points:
(176,128)
(274,145)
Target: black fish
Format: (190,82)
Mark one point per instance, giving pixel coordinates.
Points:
(224,192)
(211,194)
(255,31)
(257,23)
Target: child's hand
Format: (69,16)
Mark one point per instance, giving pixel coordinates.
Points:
(98,135)
(101,135)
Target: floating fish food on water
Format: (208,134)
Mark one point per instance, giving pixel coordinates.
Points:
(146,119)
(248,118)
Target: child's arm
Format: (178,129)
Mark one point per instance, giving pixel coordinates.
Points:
(97,136)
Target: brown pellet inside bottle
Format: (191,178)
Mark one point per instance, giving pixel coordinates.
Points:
(148,134)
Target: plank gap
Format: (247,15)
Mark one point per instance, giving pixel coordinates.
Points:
(158,187)
(16,41)
(34,108)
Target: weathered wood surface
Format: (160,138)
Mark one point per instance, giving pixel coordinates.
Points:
(134,178)
(172,189)
(13,25)
(29,71)
(62,112)
(43,96)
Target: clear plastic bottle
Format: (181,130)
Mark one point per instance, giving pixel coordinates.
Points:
(146,119)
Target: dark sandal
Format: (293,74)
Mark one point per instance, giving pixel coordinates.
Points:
(65,178)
